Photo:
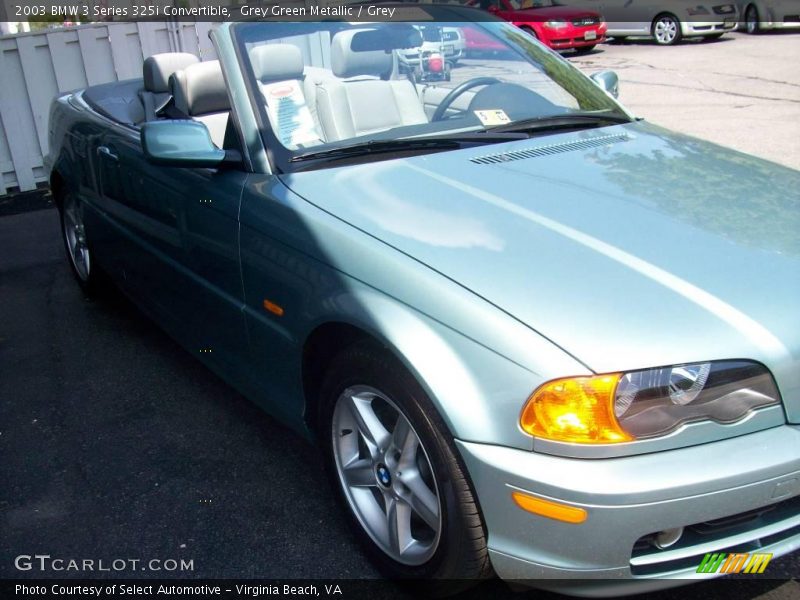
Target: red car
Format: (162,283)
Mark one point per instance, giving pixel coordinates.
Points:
(559,27)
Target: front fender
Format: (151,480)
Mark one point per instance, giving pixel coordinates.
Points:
(477,363)
(477,392)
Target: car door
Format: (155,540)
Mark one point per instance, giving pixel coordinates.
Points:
(213,299)
(175,240)
(630,17)
(143,237)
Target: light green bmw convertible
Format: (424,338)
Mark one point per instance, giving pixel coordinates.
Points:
(532,335)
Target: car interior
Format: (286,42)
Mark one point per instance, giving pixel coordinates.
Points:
(360,91)
(354,98)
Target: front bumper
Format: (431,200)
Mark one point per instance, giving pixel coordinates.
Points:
(575,37)
(691,28)
(578,42)
(628,498)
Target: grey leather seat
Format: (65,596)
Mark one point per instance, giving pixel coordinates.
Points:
(156,71)
(288,93)
(200,93)
(364,100)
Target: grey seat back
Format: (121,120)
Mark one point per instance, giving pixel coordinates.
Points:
(280,71)
(200,93)
(156,71)
(363,99)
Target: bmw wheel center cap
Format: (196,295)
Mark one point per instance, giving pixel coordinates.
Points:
(383,475)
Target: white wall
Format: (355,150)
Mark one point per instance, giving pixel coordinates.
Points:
(36,66)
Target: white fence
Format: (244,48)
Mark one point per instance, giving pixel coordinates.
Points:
(35,67)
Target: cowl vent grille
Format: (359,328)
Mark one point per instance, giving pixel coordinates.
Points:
(603,140)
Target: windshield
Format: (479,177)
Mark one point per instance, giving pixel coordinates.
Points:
(325,85)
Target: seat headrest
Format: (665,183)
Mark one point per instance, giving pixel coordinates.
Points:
(352,54)
(200,89)
(277,62)
(158,68)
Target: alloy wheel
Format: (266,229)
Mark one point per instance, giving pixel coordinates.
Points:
(752,20)
(75,236)
(386,475)
(666,30)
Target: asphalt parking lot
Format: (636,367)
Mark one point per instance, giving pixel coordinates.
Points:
(740,91)
(116,443)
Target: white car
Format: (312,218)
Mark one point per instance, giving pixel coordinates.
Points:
(666,22)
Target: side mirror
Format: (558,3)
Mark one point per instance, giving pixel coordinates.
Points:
(182,144)
(607,81)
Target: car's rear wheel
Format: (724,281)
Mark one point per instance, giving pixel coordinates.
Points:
(667,30)
(76,243)
(397,473)
(752,23)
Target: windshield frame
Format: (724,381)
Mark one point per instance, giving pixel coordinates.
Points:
(283,159)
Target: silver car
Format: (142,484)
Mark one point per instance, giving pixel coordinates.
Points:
(758,15)
(667,23)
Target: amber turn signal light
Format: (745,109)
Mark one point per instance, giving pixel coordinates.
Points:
(549,509)
(575,409)
(273,308)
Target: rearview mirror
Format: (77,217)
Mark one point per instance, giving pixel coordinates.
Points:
(182,144)
(607,81)
(386,39)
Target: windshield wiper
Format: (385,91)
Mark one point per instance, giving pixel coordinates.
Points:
(430,143)
(565,121)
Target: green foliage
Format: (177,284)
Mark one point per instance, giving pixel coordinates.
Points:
(745,199)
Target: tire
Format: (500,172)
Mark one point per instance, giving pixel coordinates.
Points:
(530,31)
(580,51)
(752,24)
(76,244)
(375,415)
(666,30)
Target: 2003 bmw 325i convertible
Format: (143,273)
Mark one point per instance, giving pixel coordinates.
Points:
(532,334)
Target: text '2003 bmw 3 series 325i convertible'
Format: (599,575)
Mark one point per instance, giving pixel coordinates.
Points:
(532,335)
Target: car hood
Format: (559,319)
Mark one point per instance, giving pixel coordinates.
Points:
(627,246)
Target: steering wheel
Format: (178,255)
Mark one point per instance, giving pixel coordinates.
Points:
(457,91)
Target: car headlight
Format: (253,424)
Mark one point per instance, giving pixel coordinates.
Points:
(697,10)
(623,407)
(556,23)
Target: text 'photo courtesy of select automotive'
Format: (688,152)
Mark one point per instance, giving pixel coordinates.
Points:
(395,300)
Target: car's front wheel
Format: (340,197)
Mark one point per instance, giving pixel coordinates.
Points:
(397,473)
(667,30)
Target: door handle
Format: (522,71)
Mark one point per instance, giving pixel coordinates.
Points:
(105,151)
